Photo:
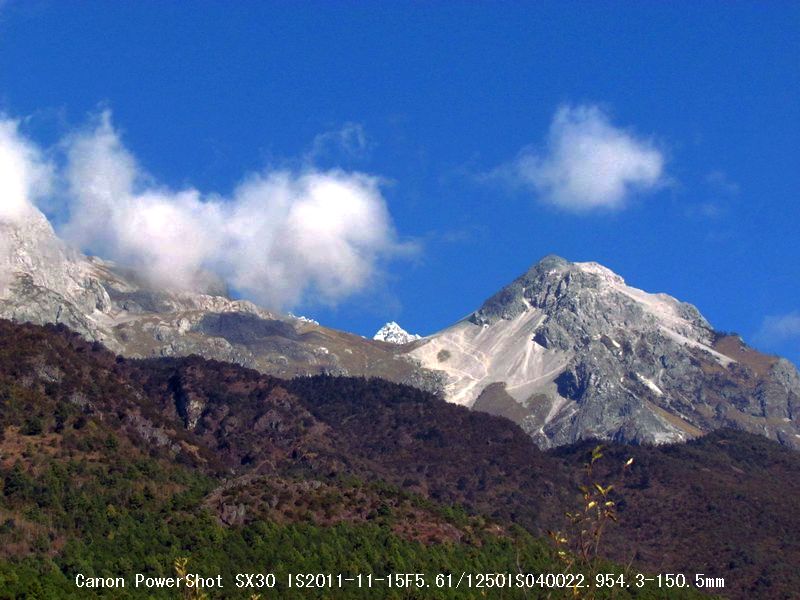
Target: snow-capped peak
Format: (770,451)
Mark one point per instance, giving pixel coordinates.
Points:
(394,334)
(303,319)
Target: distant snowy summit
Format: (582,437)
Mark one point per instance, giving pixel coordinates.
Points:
(394,334)
(303,319)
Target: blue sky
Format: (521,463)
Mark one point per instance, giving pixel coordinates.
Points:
(462,121)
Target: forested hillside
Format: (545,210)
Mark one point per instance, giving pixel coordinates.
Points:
(114,467)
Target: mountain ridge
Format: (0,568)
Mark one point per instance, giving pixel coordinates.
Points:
(570,351)
(81,430)
(567,350)
(46,281)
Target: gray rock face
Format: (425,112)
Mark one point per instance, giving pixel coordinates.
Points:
(43,280)
(588,356)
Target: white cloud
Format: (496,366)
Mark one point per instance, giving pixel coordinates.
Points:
(779,329)
(588,163)
(289,232)
(25,175)
(282,237)
(116,212)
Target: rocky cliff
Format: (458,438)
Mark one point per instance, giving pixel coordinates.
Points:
(569,351)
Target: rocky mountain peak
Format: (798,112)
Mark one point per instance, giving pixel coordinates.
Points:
(394,334)
(30,245)
(549,263)
(43,280)
(571,351)
(587,294)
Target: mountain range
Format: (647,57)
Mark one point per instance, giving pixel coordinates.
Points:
(111,466)
(161,419)
(568,351)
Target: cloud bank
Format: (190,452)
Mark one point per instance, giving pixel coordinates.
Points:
(587,163)
(25,175)
(282,237)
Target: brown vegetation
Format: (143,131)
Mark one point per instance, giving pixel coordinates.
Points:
(727,504)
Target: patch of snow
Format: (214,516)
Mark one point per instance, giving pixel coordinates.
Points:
(720,358)
(650,384)
(303,319)
(394,334)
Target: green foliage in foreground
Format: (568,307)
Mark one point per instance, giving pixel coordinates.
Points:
(269,548)
(105,521)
